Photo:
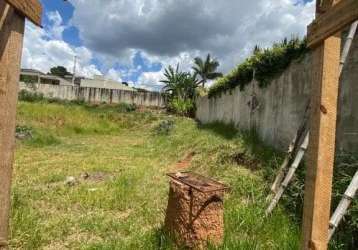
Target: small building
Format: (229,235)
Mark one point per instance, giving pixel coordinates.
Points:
(103,83)
(36,76)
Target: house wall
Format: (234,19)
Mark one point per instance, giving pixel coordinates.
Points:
(282,105)
(96,95)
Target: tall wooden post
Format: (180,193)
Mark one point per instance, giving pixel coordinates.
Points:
(325,40)
(12,22)
(321,150)
(11,37)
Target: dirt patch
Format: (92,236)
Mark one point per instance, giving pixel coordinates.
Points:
(244,160)
(230,154)
(194,218)
(185,163)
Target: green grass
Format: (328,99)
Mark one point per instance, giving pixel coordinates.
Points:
(125,208)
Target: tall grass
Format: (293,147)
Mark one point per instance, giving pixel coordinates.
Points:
(125,209)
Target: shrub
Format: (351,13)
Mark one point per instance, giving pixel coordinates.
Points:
(265,64)
(23,132)
(182,107)
(28,96)
(126,108)
(164,127)
(180,91)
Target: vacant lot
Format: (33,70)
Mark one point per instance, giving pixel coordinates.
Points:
(118,195)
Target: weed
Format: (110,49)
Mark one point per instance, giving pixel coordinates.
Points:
(164,127)
(127,210)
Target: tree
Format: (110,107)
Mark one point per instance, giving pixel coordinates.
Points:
(59,71)
(180,89)
(206,69)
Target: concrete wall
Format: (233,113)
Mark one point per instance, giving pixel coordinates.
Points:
(282,105)
(97,95)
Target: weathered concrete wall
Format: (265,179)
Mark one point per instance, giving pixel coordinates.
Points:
(282,105)
(97,95)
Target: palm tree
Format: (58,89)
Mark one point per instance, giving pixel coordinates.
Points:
(206,70)
(179,84)
(171,79)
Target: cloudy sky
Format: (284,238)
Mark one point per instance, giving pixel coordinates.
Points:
(134,40)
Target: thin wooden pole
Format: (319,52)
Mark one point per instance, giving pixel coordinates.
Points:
(293,148)
(343,205)
(290,174)
(4,15)
(11,39)
(347,45)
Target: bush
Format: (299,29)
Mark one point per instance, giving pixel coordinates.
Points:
(266,63)
(182,107)
(126,108)
(28,96)
(164,127)
(23,132)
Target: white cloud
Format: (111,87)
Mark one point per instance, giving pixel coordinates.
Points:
(163,31)
(168,29)
(114,75)
(56,28)
(41,52)
(150,81)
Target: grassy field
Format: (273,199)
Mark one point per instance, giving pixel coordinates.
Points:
(122,202)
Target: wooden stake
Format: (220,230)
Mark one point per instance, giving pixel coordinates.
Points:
(318,184)
(11,38)
(343,205)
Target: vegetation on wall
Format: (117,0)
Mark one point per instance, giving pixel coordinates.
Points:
(264,65)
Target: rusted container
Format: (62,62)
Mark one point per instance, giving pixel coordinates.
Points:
(195,214)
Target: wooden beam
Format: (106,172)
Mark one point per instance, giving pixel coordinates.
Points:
(321,151)
(323,5)
(331,21)
(11,39)
(31,9)
(3,14)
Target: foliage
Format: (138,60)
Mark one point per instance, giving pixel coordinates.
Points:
(59,71)
(164,127)
(23,132)
(180,90)
(264,65)
(182,107)
(28,79)
(28,96)
(206,69)
(126,108)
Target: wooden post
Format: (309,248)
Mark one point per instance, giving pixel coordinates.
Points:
(11,37)
(321,151)
(12,23)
